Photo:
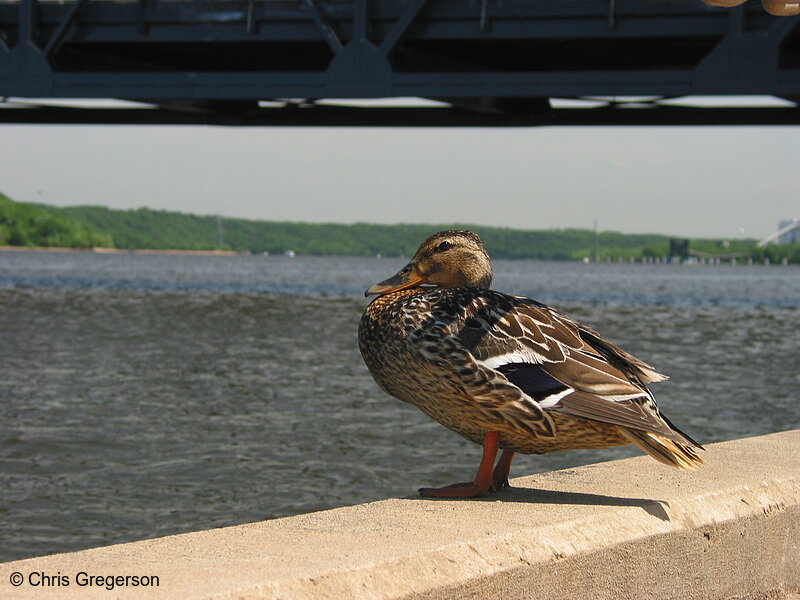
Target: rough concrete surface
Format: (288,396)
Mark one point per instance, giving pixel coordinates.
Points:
(625,529)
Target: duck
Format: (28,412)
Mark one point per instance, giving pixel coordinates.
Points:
(506,372)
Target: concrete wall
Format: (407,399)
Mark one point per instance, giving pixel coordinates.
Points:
(627,529)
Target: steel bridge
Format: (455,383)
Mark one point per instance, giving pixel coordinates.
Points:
(482,62)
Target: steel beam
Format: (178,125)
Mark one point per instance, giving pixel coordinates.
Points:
(345,116)
(234,53)
(60,32)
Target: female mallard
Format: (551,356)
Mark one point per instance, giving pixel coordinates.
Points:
(505,371)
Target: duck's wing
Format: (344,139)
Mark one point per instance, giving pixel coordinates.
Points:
(432,322)
(561,365)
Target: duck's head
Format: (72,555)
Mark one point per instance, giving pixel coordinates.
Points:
(447,259)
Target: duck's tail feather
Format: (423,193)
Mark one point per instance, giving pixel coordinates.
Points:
(665,450)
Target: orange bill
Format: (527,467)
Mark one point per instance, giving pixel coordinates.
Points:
(407,277)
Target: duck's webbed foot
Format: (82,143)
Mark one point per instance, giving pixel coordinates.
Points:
(486,479)
(467,489)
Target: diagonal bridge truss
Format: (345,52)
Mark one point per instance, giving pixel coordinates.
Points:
(476,62)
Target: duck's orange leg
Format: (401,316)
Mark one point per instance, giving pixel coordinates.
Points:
(501,471)
(483,478)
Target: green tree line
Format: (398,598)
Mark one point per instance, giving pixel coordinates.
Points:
(160,229)
(26,225)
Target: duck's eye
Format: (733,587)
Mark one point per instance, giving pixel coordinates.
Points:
(444,246)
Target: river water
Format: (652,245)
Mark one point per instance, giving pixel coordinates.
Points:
(143,395)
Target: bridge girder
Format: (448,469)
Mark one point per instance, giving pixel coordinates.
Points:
(488,63)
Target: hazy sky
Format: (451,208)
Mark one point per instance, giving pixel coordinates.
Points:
(695,182)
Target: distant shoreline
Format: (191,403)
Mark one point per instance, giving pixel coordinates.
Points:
(98,229)
(101,250)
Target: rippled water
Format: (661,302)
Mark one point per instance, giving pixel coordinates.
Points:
(142,395)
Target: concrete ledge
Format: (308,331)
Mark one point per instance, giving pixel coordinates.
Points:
(631,528)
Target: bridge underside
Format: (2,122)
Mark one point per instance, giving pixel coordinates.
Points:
(483,62)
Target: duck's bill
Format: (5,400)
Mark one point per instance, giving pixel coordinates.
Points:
(406,278)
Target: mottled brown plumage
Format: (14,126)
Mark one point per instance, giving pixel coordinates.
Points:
(506,371)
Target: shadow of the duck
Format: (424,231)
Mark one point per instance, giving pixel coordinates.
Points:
(655,508)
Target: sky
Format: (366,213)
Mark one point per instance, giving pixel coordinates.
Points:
(715,182)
